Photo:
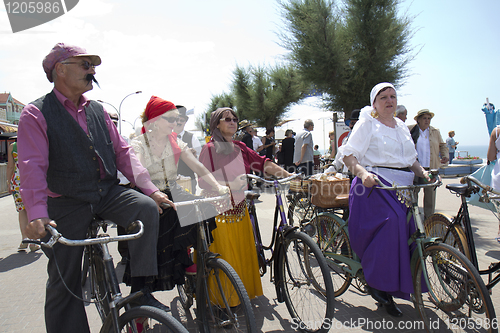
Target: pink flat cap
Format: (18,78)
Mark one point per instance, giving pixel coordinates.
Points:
(61,52)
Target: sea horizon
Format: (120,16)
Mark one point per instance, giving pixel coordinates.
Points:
(480,151)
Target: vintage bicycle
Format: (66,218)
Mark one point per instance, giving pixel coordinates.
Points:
(115,310)
(447,287)
(298,268)
(457,231)
(222,302)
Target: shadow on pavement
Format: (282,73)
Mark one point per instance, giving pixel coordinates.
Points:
(17,260)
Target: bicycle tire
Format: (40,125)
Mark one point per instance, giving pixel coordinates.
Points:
(438,224)
(186,291)
(228,308)
(98,285)
(146,319)
(311,310)
(331,238)
(457,294)
(85,265)
(258,239)
(300,209)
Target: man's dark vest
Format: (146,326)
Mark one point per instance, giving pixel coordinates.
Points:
(248,140)
(182,168)
(74,169)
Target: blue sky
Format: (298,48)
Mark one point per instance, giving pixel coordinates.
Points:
(185,51)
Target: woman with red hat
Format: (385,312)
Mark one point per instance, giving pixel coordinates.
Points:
(159,151)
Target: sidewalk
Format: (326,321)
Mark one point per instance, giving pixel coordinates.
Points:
(23,277)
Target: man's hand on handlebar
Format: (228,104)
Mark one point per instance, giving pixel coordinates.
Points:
(160,197)
(36,228)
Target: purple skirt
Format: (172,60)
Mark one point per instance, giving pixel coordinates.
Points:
(379,235)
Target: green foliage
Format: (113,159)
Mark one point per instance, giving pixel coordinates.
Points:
(217,101)
(347,50)
(263,95)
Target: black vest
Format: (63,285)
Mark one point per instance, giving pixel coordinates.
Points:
(74,169)
(182,168)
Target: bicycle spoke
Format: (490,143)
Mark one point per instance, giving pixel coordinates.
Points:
(300,266)
(456,295)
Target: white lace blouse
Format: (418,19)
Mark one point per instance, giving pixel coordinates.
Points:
(375,144)
(158,167)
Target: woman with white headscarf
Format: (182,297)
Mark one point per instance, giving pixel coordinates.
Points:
(380,146)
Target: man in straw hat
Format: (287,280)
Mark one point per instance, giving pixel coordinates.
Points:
(246,133)
(432,153)
(70,152)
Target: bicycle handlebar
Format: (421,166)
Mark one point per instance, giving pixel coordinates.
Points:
(437,183)
(197,201)
(280,181)
(481,185)
(58,237)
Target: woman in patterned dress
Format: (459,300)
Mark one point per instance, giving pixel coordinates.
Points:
(13,183)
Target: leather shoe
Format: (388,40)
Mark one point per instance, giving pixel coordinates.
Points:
(379,295)
(148,299)
(393,310)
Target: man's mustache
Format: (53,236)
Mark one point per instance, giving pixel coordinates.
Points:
(90,78)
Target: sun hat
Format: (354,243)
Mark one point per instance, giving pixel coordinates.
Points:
(244,124)
(61,52)
(422,112)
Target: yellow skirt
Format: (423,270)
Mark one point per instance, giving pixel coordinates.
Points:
(234,241)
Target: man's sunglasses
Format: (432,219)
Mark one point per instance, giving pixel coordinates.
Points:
(171,119)
(229,119)
(85,64)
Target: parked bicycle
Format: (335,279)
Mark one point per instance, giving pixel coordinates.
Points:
(447,287)
(457,231)
(301,275)
(106,292)
(216,285)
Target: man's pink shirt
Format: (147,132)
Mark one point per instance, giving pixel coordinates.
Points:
(33,150)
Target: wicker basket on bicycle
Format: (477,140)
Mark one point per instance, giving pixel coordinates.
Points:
(300,186)
(329,191)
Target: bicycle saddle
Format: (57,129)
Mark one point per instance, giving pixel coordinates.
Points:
(251,195)
(463,189)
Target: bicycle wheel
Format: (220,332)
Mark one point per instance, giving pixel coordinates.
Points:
(98,284)
(228,308)
(144,319)
(310,309)
(186,291)
(457,298)
(332,239)
(300,209)
(440,225)
(258,239)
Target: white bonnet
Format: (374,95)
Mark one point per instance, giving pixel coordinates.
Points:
(377,88)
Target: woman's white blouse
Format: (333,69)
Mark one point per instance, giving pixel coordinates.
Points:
(375,144)
(154,163)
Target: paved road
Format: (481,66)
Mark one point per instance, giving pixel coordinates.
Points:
(23,277)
